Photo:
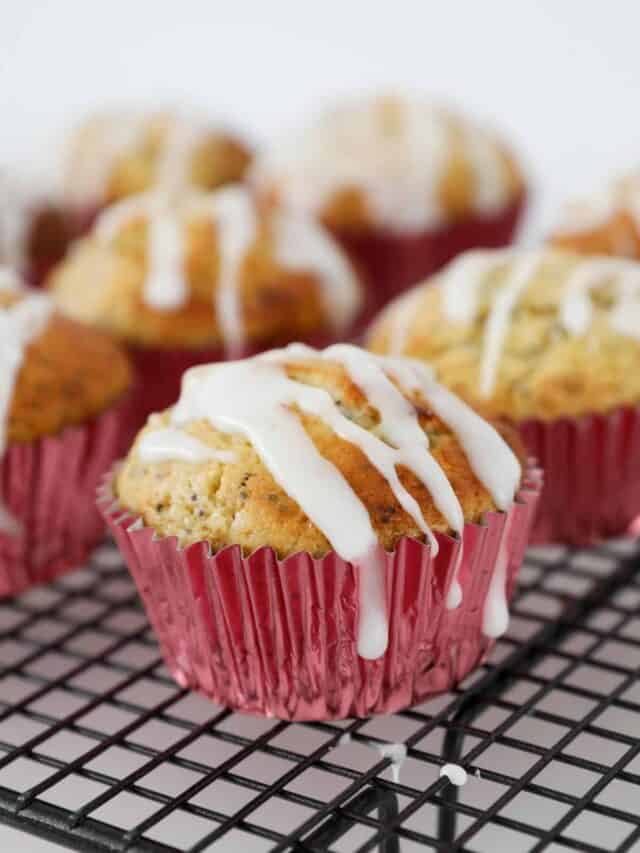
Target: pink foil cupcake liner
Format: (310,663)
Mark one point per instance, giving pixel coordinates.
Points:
(393,262)
(48,488)
(279,637)
(592,475)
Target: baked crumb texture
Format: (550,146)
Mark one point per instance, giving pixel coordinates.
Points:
(239,502)
(544,369)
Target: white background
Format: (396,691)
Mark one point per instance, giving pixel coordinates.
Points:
(561,77)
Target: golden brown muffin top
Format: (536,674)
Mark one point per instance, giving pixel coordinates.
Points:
(390,162)
(607,223)
(209,270)
(67,374)
(114,156)
(253,418)
(542,334)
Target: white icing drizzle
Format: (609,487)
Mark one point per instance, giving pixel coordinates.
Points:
(460,284)
(236,221)
(168,444)
(20,323)
(576,309)
(256,398)
(104,139)
(454,773)
(165,288)
(500,316)
(463,279)
(298,244)
(302,245)
(394,150)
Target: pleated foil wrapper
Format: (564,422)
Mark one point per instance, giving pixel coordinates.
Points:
(392,262)
(592,475)
(47,489)
(279,637)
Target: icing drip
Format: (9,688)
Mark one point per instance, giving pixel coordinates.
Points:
(256,398)
(460,290)
(302,245)
(169,444)
(499,318)
(495,617)
(20,323)
(298,244)
(395,151)
(454,773)
(396,752)
(234,215)
(165,288)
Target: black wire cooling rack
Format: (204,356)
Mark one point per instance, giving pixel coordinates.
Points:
(101,751)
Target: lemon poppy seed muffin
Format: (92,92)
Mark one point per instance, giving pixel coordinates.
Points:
(209,270)
(341,512)
(202,278)
(550,340)
(113,156)
(63,411)
(232,498)
(69,374)
(404,183)
(604,223)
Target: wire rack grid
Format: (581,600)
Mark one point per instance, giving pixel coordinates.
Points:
(100,750)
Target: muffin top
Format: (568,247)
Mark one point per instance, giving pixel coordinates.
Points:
(389,162)
(522,334)
(208,270)
(53,372)
(113,156)
(606,223)
(307,450)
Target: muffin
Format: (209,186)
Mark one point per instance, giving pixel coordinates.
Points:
(33,231)
(404,184)
(321,534)
(63,390)
(606,223)
(116,155)
(203,279)
(549,340)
